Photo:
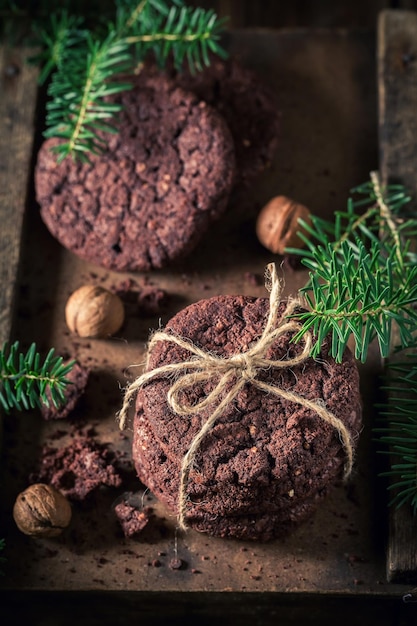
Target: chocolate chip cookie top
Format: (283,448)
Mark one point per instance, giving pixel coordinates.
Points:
(266,455)
(147,200)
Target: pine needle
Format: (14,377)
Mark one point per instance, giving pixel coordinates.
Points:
(398,430)
(362,279)
(26,382)
(86,64)
(363,285)
(78,107)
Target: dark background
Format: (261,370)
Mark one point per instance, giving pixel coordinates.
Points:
(250,13)
(303,13)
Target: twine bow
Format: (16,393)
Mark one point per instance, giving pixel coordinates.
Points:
(244,368)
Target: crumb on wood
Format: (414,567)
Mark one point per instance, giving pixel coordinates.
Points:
(78,468)
(145,300)
(131,519)
(177,564)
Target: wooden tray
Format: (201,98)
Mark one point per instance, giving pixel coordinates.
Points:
(397,71)
(325,84)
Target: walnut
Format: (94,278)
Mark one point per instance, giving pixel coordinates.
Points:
(93,311)
(41,511)
(277,224)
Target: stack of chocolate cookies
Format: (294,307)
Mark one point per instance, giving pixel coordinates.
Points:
(267,462)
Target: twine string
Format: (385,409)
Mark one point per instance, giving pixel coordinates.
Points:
(244,368)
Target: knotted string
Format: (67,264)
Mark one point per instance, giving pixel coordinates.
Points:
(243,368)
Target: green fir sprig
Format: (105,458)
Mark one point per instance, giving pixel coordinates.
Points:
(363,285)
(363,275)
(86,64)
(78,109)
(398,432)
(28,382)
(63,32)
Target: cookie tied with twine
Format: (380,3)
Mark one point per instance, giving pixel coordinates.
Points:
(228,376)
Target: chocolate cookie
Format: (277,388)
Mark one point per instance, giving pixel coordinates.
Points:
(267,461)
(247,105)
(156,470)
(147,200)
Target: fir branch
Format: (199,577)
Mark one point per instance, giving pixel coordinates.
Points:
(363,279)
(186,33)
(86,63)
(353,291)
(78,108)
(130,13)
(363,284)
(27,382)
(398,435)
(387,217)
(62,32)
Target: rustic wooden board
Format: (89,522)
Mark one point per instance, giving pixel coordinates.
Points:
(397,86)
(18,97)
(326,89)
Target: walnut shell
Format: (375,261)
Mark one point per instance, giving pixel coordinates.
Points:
(41,511)
(277,224)
(93,311)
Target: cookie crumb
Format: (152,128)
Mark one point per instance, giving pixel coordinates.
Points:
(78,469)
(177,564)
(131,519)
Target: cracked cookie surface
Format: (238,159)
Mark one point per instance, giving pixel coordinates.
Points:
(149,197)
(249,107)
